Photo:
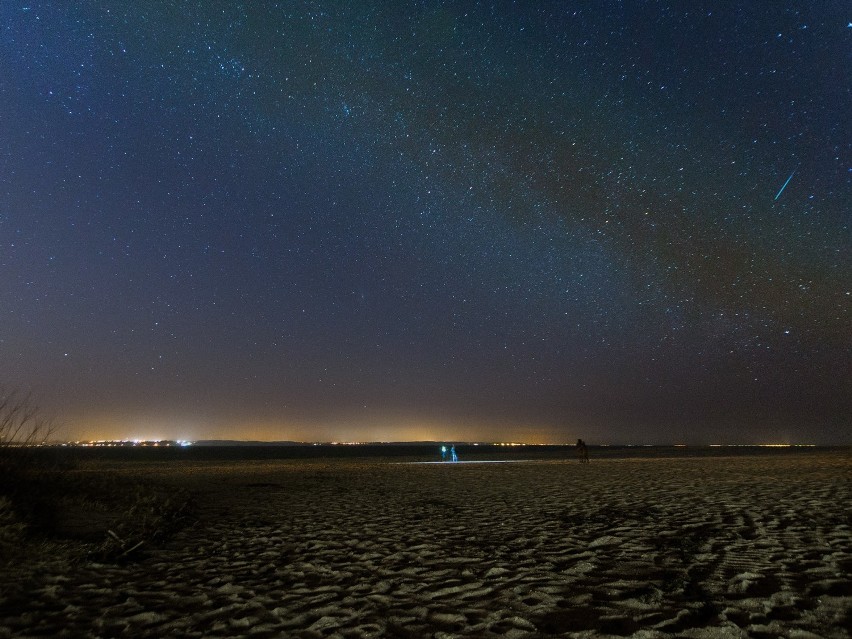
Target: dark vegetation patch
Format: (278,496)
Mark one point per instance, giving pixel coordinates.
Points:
(45,497)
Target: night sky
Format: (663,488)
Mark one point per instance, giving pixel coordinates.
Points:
(529,221)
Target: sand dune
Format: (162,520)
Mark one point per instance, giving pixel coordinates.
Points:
(707,547)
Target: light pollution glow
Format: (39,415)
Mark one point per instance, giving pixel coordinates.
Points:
(398,429)
(380,429)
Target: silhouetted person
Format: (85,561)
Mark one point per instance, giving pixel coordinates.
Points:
(582,451)
(443,453)
(453,455)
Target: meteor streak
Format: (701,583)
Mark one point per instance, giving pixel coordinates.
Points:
(781,190)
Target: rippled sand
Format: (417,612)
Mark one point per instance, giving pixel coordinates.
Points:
(701,547)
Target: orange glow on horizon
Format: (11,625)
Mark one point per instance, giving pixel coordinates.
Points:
(161,426)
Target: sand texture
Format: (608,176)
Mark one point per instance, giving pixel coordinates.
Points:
(708,547)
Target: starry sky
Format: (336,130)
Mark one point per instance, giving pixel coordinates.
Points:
(529,221)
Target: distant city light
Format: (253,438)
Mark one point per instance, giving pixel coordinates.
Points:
(762,445)
(130,443)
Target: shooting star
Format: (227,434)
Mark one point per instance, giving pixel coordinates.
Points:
(781,190)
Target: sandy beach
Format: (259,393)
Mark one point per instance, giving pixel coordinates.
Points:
(722,546)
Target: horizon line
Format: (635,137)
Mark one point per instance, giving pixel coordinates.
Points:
(509,444)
